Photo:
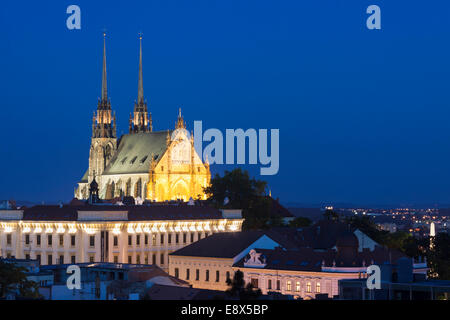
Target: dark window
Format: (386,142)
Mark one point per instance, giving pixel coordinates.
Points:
(38,257)
(197,274)
(92,241)
(176,273)
(162,239)
(49,240)
(278,284)
(61,240)
(8,239)
(187,274)
(73,259)
(184,237)
(254,283)
(116,241)
(27,256)
(138,259)
(177,238)
(192,237)
(38,239)
(217,276)
(207,275)
(72,241)
(169,239)
(130,240)
(61,259)
(129,259)
(154,258)
(27,239)
(269,284)
(49,259)
(228,275)
(138,239)
(162,258)
(146,239)
(116,259)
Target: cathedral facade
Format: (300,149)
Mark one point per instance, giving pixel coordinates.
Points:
(145,164)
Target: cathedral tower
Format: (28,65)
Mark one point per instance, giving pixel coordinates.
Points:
(104,138)
(141,120)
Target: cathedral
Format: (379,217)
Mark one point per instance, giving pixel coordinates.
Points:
(144,164)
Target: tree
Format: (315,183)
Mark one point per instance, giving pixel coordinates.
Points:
(300,222)
(240,290)
(14,280)
(439,256)
(244,193)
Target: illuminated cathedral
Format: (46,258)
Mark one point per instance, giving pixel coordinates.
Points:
(144,164)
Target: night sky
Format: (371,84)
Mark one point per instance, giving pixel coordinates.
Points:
(364,115)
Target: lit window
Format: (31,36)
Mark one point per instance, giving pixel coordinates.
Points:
(288,286)
(308,287)
(297,286)
(318,287)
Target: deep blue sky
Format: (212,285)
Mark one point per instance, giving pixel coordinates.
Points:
(364,116)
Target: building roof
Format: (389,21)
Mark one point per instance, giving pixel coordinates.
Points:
(220,245)
(134,152)
(135,212)
(308,259)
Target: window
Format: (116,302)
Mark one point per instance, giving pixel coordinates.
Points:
(308,287)
(130,260)
(116,259)
(49,259)
(154,258)
(91,259)
(8,239)
(27,239)
(146,239)
(184,237)
(38,239)
(288,285)
(162,239)
(192,237)
(138,239)
(228,275)
(146,260)
(115,241)
(177,238)
(207,275)
(38,257)
(72,241)
(318,287)
(169,239)
(278,285)
(49,240)
(61,259)
(176,273)
(217,276)
(297,286)
(27,257)
(138,259)
(254,283)
(130,240)
(162,259)
(269,284)
(92,241)
(73,259)
(153,239)
(197,274)
(187,274)
(61,240)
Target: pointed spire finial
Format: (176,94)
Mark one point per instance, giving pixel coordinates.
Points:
(140,86)
(104,85)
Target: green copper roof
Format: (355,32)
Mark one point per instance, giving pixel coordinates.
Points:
(134,152)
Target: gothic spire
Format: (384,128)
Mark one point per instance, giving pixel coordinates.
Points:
(140,86)
(104,85)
